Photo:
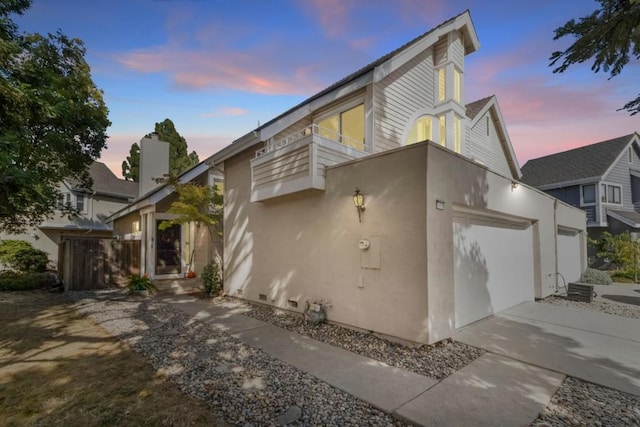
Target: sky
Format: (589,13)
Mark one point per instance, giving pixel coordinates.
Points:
(217,68)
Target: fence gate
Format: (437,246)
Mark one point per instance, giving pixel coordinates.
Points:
(86,263)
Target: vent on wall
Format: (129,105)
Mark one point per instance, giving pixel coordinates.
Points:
(292,303)
(263,297)
(239,291)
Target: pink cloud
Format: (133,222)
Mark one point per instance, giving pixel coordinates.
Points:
(332,15)
(225,112)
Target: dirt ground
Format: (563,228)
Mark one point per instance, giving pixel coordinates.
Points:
(58,368)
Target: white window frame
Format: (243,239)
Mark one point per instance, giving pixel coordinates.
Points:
(85,201)
(340,108)
(604,197)
(595,194)
(212,182)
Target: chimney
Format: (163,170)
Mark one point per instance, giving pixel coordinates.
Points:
(154,162)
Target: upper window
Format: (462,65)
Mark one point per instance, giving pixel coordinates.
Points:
(443,130)
(346,127)
(457,83)
(488,126)
(80,201)
(588,193)
(457,135)
(421,130)
(630,154)
(611,194)
(442,84)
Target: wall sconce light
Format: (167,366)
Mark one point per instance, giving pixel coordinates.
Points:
(440,205)
(358,201)
(514,185)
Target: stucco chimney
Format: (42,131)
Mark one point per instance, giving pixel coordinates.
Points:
(154,162)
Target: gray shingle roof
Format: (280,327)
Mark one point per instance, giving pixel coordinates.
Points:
(105,182)
(580,163)
(475,107)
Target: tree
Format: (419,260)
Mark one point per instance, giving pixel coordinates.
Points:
(180,159)
(53,120)
(131,166)
(609,35)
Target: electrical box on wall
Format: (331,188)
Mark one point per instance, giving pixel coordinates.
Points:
(370,252)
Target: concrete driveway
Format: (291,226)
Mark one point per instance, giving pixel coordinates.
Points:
(596,347)
(627,294)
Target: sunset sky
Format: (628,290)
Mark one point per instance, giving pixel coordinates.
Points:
(217,67)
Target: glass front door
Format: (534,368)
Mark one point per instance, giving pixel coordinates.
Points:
(168,259)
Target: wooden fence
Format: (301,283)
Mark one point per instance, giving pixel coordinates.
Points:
(97,263)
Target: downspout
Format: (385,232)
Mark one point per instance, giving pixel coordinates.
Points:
(555,239)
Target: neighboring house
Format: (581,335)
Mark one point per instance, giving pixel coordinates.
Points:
(108,195)
(448,235)
(603,179)
(169,253)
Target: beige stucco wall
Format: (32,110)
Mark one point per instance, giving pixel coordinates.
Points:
(305,246)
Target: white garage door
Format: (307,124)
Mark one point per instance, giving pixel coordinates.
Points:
(569,255)
(493,266)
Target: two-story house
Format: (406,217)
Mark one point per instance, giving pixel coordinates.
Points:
(109,194)
(603,179)
(393,205)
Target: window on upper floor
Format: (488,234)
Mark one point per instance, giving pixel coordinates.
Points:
(443,130)
(457,85)
(218,184)
(630,154)
(457,135)
(588,194)
(611,194)
(80,199)
(442,84)
(421,130)
(346,127)
(488,126)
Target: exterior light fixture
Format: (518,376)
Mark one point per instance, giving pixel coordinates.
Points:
(358,201)
(514,185)
(440,205)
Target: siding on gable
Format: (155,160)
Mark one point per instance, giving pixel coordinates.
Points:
(398,96)
(457,49)
(620,175)
(440,52)
(488,149)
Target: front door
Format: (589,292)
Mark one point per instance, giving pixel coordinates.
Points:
(168,257)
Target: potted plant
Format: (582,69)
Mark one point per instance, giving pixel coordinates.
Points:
(140,284)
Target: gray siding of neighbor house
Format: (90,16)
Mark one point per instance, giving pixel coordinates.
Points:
(571,195)
(488,149)
(620,175)
(398,96)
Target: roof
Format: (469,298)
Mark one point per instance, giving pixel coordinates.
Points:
(631,218)
(475,107)
(105,182)
(590,161)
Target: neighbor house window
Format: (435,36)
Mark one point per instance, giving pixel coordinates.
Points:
(346,127)
(443,130)
(442,84)
(457,135)
(588,193)
(80,201)
(135,227)
(611,194)
(630,154)
(457,83)
(420,130)
(488,126)
(60,202)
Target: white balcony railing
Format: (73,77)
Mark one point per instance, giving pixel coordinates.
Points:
(308,131)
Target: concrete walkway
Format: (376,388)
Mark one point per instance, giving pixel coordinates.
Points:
(492,390)
(596,347)
(626,294)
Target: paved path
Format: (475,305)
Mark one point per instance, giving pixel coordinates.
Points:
(492,390)
(596,347)
(627,294)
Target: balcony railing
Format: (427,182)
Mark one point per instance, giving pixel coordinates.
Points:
(314,129)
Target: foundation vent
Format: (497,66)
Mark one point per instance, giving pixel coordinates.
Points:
(292,303)
(263,297)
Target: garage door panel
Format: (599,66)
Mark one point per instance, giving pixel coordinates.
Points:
(493,262)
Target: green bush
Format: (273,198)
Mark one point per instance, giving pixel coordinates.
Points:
(24,281)
(140,283)
(20,255)
(596,277)
(212,278)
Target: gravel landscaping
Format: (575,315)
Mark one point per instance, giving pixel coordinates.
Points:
(577,402)
(436,361)
(246,386)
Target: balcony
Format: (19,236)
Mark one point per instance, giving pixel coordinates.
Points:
(298,162)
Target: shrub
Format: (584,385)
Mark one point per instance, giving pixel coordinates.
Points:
(139,283)
(596,277)
(21,256)
(24,281)
(212,278)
